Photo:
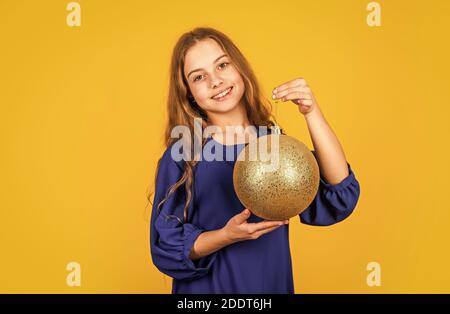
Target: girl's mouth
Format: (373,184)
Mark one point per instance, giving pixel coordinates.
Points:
(225,95)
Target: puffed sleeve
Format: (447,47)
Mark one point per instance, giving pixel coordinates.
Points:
(333,202)
(171,240)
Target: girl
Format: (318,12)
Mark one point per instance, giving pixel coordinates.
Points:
(201,235)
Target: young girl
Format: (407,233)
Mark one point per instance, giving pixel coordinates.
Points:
(201,235)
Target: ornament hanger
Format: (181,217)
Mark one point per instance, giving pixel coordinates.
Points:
(276,128)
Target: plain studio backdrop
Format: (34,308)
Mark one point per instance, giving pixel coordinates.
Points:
(82,112)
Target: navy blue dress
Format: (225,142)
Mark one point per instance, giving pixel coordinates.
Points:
(252,266)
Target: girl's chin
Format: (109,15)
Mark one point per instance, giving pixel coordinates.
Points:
(225,106)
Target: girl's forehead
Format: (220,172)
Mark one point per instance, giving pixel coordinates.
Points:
(203,52)
(202,55)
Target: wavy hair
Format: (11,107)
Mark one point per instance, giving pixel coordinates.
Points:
(182,108)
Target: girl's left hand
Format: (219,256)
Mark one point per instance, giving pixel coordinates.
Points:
(298,91)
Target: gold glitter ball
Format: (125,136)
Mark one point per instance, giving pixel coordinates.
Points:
(276,186)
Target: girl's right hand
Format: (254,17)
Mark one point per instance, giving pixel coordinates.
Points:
(237,229)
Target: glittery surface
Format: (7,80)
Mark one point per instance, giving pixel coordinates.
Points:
(279,194)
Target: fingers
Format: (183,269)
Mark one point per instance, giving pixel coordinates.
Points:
(295,82)
(299,101)
(303,99)
(256,227)
(256,235)
(298,97)
(242,216)
(300,92)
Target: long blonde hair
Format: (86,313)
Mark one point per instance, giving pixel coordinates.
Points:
(182,109)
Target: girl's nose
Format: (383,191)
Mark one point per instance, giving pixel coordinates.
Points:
(216,81)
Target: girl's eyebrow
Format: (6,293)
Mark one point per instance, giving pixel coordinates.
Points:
(213,62)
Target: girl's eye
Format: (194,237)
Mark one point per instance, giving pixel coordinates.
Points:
(226,63)
(195,79)
(221,65)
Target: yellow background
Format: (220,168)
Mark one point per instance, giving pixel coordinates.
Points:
(82,118)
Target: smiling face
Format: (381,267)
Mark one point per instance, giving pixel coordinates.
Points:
(209,72)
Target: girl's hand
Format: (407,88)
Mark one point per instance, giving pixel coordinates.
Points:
(299,93)
(237,229)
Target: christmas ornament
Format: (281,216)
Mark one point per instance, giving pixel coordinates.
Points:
(276,178)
